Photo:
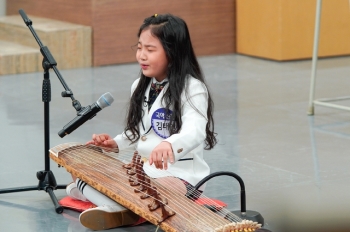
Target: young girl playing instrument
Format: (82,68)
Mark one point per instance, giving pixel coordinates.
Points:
(169,118)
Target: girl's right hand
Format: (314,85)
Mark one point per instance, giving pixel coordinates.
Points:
(103,140)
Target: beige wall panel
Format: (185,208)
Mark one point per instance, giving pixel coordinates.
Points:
(74,11)
(115,22)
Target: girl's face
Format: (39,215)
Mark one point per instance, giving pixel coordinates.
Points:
(151,56)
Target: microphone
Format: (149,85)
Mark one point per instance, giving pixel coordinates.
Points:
(87,113)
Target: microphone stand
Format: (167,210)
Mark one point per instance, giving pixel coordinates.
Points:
(46,177)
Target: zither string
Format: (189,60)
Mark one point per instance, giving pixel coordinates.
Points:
(224,212)
(81,155)
(160,187)
(228,214)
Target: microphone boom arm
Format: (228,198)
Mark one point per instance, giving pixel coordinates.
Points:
(50,62)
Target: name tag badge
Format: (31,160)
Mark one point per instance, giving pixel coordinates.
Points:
(160,122)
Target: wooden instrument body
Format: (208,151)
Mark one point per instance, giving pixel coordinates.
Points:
(107,175)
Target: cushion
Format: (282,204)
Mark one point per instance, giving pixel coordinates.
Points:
(77,205)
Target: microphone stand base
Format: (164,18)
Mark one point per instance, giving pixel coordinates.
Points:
(47,182)
(250,215)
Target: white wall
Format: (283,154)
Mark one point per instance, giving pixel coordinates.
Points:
(2,8)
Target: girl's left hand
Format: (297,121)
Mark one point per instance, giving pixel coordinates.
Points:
(161,154)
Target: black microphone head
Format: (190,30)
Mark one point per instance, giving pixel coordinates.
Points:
(105,100)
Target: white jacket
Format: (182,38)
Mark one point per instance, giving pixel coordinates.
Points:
(187,145)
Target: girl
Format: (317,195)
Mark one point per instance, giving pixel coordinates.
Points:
(170,118)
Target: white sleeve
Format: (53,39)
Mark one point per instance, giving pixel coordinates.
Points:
(194,121)
(123,142)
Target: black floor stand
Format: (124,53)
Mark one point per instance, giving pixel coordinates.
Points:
(46,177)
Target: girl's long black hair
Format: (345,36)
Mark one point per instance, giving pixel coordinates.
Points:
(173,34)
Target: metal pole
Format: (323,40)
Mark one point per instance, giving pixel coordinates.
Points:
(315,57)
